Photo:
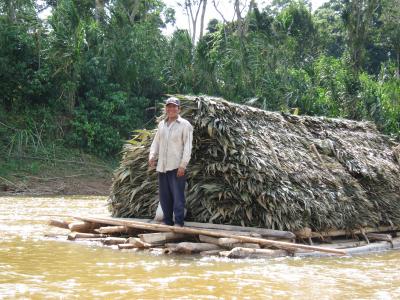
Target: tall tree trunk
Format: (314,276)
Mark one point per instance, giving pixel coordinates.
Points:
(358,17)
(194,28)
(99,11)
(202,18)
(190,6)
(11,10)
(219,12)
(252,5)
(239,18)
(133,10)
(223,18)
(189,21)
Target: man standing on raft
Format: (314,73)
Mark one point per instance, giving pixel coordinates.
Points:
(172,147)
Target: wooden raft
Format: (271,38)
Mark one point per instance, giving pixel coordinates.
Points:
(216,239)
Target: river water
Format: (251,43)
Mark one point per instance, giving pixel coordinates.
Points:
(33,266)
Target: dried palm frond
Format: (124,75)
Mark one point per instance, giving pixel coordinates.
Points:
(257,168)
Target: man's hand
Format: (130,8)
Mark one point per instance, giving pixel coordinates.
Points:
(152,163)
(181,172)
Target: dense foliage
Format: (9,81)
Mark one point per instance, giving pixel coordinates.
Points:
(95,70)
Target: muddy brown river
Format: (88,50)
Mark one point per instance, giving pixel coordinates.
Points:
(33,266)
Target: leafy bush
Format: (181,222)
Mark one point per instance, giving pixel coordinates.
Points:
(389,85)
(102,125)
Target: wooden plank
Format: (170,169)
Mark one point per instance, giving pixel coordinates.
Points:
(83,226)
(208,239)
(169,248)
(365,249)
(263,232)
(190,248)
(333,233)
(59,223)
(210,253)
(156,251)
(126,246)
(379,237)
(138,243)
(163,237)
(186,230)
(82,235)
(171,245)
(229,243)
(372,247)
(240,252)
(233,243)
(112,229)
(343,244)
(114,241)
(226,241)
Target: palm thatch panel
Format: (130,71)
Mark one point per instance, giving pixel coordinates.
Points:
(257,168)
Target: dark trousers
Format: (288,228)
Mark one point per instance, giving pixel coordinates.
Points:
(172,196)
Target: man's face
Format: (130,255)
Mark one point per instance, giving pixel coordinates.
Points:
(172,111)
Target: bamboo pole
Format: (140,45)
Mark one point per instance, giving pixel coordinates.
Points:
(240,230)
(247,239)
(234,229)
(264,232)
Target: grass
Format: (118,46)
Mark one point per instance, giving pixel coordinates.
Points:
(32,151)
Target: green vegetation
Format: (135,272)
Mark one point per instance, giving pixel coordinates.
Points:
(91,74)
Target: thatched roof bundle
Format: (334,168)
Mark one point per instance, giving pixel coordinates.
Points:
(267,169)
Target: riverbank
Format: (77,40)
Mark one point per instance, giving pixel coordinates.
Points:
(73,173)
(37,186)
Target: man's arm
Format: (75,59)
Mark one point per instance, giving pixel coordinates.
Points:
(187,149)
(154,149)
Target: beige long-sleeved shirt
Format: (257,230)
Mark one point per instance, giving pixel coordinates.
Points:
(172,145)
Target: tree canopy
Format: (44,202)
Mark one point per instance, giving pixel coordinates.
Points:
(96,70)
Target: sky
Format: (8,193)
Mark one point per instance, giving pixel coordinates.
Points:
(225,6)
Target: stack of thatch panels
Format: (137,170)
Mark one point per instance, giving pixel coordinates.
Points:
(266,169)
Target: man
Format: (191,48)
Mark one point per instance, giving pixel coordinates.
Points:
(172,147)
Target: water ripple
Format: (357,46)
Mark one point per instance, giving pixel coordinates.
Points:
(33,266)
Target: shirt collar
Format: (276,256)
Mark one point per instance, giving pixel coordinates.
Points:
(177,120)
